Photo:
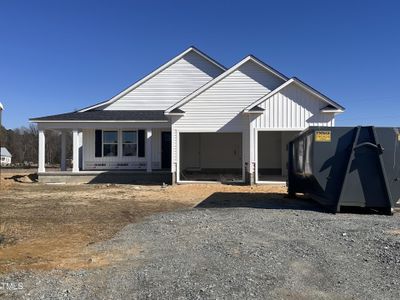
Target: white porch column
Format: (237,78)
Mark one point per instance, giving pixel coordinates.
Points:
(42,153)
(75,150)
(63,163)
(149,133)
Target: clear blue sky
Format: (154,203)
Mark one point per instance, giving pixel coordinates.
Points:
(58,56)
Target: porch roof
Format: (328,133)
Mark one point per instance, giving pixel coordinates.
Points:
(106,115)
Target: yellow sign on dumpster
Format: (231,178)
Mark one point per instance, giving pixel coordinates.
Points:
(323,136)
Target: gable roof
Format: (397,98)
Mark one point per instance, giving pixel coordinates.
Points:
(106,116)
(4,152)
(222,76)
(332,105)
(154,73)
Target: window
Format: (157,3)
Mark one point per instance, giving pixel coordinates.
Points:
(129,143)
(110,143)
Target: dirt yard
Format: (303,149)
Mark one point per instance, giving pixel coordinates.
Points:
(51,226)
(188,242)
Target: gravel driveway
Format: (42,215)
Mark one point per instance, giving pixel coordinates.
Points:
(236,253)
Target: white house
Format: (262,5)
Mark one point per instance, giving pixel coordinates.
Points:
(192,119)
(5,157)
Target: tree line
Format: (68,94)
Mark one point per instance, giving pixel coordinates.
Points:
(22,143)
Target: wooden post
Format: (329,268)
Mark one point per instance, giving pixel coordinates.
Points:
(41,152)
(149,134)
(75,151)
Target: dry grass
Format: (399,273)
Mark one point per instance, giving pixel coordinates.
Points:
(53,226)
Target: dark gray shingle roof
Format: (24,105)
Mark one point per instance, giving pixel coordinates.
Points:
(108,115)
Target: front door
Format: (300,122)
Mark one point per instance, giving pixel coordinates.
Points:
(166,150)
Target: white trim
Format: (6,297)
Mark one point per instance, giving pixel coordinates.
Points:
(300,84)
(179,181)
(334,111)
(254,112)
(219,78)
(42,151)
(148,149)
(257,130)
(151,75)
(174,114)
(272,182)
(75,151)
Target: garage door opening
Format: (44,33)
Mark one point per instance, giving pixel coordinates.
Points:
(272,155)
(215,157)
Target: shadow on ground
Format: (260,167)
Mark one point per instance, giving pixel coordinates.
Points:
(259,200)
(24,178)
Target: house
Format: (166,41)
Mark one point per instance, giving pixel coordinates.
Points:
(5,157)
(192,119)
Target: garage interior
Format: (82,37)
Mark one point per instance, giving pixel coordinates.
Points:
(211,157)
(272,154)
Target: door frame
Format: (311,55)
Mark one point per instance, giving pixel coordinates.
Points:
(178,156)
(257,130)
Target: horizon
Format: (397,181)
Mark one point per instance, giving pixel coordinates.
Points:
(60,57)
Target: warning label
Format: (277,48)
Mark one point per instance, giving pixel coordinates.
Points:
(323,136)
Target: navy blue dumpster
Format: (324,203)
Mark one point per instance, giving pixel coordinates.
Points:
(347,166)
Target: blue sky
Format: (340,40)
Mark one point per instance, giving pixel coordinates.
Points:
(58,56)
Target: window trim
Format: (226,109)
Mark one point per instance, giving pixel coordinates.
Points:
(103,143)
(122,143)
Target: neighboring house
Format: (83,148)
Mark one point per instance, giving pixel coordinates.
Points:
(5,157)
(193,119)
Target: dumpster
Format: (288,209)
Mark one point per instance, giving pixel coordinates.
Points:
(347,166)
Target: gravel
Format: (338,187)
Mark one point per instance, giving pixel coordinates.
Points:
(235,253)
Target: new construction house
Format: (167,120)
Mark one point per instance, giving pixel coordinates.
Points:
(192,119)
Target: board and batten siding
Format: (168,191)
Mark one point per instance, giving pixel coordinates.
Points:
(219,107)
(293,108)
(89,151)
(170,85)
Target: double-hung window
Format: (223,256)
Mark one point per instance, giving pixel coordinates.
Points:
(110,143)
(129,143)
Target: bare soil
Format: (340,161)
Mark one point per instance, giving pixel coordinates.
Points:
(45,227)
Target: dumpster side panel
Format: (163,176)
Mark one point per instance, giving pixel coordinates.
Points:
(390,140)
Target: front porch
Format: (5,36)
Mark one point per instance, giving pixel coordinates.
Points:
(124,150)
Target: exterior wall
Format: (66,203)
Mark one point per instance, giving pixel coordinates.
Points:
(219,109)
(293,108)
(5,160)
(134,162)
(170,85)
(211,151)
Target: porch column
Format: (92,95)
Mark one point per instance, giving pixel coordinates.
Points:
(41,152)
(63,163)
(149,133)
(75,150)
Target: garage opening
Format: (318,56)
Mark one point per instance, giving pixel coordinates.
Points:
(211,157)
(272,154)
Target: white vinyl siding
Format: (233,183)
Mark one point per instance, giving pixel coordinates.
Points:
(219,108)
(170,85)
(112,162)
(293,108)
